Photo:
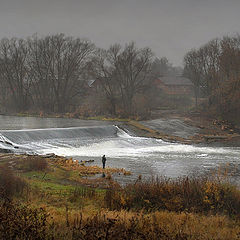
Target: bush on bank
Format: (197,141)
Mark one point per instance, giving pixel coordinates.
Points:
(10,184)
(21,222)
(200,195)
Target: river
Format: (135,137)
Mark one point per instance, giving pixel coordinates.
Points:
(86,139)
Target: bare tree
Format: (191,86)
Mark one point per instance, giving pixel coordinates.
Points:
(215,69)
(3,90)
(202,68)
(123,72)
(133,71)
(39,63)
(14,70)
(103,70)
(58,65)
(192,70)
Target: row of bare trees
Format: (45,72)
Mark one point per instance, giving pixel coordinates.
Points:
(215,71)
(52,73)
(46,72)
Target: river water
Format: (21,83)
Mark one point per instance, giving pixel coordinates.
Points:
(85,140)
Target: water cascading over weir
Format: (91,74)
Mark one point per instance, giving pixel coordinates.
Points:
(17,138)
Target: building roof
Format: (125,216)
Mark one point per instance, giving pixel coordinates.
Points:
(175,80)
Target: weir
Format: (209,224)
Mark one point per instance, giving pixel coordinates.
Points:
(33,135)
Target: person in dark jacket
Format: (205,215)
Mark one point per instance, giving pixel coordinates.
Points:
(104,161)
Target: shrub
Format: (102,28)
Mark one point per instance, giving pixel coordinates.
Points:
(183,194)
(160,225)
(10,184)
(21,222)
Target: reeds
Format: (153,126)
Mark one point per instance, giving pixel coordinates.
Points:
(200,195)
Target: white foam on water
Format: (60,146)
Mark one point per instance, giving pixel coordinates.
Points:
(122,133)
(138,147)
(121,145)
(4,139)
(202,155)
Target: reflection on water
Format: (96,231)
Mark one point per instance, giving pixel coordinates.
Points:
(89,140)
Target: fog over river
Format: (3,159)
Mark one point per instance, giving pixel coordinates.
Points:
(85,140)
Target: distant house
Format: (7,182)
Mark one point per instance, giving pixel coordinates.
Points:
(175,85)
(92,86)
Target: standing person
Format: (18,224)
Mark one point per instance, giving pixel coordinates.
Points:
(104,161)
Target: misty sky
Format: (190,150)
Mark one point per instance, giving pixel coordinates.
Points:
(169,27)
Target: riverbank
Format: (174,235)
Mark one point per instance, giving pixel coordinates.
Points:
(61,170)
(43,197)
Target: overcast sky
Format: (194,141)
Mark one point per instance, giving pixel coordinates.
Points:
(169,27)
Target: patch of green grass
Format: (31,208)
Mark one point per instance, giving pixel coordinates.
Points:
(33,174)
(50,186)
(59,173)
(46,176)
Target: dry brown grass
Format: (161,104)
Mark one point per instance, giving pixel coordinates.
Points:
(158,225)
(182,209)
(19,222)
(202,195)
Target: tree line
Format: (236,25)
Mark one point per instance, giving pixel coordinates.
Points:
(59,74)
(214,68)
(52,74)
(46,73)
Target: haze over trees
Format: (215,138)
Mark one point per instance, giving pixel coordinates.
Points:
(14,72)
(123,73)
(57,67)
(215,71)
(47,73)
(55,74)
(60,74)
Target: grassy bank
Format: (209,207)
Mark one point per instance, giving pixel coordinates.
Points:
(53,198)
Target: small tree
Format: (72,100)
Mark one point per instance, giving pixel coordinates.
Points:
(14,71)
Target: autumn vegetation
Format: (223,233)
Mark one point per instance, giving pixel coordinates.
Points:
(58,198)
(58,201)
